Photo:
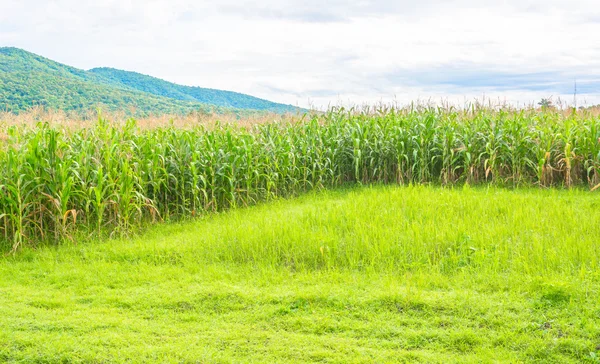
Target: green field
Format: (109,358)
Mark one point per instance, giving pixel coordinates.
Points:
(376,274)
(416,234)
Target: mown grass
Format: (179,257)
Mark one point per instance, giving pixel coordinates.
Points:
(380,274)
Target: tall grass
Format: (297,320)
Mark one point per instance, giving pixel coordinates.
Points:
(113,178)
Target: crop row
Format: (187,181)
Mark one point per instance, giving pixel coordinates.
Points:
(109,178)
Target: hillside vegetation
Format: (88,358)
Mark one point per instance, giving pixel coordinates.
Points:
(116,178)
(159,87)
(28,80)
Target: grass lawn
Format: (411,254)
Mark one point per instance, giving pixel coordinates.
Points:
(381,274)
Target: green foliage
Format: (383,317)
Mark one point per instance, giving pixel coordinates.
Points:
(159,87)
(53,182)
(28,80)
(372,275)
(546,103)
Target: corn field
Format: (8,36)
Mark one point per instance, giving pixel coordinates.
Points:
(108,179)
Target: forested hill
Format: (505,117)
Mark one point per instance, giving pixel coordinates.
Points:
(160,87)
(28,80)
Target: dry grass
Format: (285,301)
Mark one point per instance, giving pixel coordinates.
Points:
(74,121)
(78,120)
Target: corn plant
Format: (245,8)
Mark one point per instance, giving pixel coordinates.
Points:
(111,179)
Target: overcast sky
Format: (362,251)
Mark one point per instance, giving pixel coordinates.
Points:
(315,52)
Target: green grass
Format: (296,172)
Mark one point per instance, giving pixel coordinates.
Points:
(382,274)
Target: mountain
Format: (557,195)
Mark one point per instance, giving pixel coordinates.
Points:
(160,87)
(28,80)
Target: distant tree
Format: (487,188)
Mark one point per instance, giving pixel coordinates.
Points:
(546,103)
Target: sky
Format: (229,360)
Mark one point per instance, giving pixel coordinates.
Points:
(315,53)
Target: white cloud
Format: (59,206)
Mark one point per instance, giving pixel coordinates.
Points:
(318,52)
